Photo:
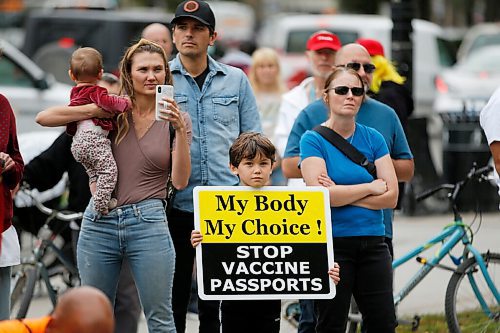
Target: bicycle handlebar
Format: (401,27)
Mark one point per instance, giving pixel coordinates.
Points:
(433,190)
(65,217)
(456,188)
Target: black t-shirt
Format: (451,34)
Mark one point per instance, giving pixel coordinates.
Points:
(200,79)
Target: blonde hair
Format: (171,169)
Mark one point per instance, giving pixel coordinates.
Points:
(261,56)
(127,86)
(384,71)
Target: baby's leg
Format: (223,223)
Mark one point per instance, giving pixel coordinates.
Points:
(81,148)
(107,175)
(93,150)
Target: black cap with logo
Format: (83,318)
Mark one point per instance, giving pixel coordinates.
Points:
(198,10)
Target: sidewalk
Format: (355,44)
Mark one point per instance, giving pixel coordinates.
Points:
(427,297)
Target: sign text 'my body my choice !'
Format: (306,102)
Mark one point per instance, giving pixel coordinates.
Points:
(269,243)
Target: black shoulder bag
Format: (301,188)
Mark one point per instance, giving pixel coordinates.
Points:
(171,190)
(347,149)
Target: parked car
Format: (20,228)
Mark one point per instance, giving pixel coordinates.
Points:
(288,34)
(27,87)
(53,34)
(477,37)
(461,93)
(467,86)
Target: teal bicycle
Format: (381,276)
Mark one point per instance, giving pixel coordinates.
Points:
(472,290)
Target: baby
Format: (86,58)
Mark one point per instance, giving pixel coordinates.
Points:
(91,145)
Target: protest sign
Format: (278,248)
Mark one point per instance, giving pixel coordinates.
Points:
(263,243)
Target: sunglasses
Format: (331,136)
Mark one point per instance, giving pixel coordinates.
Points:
(369,68)
(343,90)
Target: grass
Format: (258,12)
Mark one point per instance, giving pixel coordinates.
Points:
(436,323)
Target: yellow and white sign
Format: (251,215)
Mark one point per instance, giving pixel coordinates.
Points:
(268,243)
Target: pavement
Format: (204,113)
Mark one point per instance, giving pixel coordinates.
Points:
(409,231)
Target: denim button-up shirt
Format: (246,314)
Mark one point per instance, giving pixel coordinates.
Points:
(224,108)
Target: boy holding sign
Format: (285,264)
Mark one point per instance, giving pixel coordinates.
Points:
(251,158)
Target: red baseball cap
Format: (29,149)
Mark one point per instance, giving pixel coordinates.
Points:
(323,40)
(372,46)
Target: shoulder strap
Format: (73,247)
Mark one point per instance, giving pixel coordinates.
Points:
(346,148)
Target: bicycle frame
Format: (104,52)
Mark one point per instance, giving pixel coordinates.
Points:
(42,270)
(451,235)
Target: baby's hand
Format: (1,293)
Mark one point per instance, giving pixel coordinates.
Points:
(334,273)
(196,238)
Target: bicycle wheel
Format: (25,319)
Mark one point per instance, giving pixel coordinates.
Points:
(463,310)
(22,293)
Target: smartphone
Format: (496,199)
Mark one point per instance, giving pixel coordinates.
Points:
(162,90)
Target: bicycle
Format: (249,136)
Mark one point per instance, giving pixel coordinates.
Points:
(35,269)
(479,297)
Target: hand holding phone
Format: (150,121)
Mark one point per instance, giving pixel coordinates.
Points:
(163,90)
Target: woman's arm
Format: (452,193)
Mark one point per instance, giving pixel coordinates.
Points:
(315,174)
(62,115)
(385,171)
(181,157)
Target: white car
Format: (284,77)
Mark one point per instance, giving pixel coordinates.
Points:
(27,87)
(477,37)
(465,88)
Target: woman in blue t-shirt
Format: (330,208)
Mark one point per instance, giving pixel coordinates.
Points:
(357,201)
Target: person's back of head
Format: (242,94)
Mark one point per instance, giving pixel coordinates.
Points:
(82,310)
(86,64)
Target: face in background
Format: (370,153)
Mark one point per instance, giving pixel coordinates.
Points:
(254,172)
(355,53)
(192,38)
(112,88)
(147,71)
(322,62)
(158,33)
(266,72)
(344,105)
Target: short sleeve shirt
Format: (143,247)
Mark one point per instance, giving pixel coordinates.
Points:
(349,220)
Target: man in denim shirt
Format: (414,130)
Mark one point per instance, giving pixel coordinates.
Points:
(221,104)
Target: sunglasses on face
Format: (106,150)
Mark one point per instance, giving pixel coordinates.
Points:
(369,68)
(343,90)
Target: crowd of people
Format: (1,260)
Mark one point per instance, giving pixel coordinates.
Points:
(228,126)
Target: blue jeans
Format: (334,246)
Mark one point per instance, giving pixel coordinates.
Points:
(5,292)
(307,321)
(139,234)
